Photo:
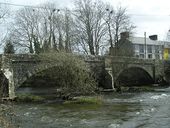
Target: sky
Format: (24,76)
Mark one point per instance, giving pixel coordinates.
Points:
(150,16)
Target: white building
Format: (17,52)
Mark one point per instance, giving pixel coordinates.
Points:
(147,48)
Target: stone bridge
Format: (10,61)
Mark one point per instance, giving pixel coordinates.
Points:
(18,68)
(120,69)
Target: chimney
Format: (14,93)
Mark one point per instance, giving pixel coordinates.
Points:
(153,37)
(124,35)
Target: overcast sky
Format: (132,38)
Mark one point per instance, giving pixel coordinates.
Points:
(150,16)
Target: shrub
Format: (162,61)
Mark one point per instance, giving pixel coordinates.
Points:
(71,73)
(29,98)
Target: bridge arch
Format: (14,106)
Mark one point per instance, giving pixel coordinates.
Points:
(43,82)
(134,75)
(35,71)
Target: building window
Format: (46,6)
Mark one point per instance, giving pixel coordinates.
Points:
(136,47)
(149,56)
(141,48)
(136,55)
(141,56)
(149,49)
(157,49)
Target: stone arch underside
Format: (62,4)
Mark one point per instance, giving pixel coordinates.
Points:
(42,82)
(134,76)
(29,73)
(107,78)
(4,85)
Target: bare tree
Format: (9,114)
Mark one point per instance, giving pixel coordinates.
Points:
(100,28)
(43,30)
(57,28)
(50,15)
(108,19)
(4,14)
(63,30)
(121,23)
(59,24)
(90,25)
(69,30)
(118,21)
(4,11)
(86,29)
(34,28)
(26,28)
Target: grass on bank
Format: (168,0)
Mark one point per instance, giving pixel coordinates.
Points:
(96,100)
(29,98)
(85,100)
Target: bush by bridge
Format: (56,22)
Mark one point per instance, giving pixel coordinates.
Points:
(71,74)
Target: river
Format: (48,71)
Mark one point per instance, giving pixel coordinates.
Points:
(126,110)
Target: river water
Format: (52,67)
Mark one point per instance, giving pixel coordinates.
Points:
(126,110)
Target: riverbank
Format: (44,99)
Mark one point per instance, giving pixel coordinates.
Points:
(123,110)
(7,116)
(28,97)
(116,110)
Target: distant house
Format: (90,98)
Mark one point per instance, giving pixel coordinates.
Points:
(140,47)
(149,49)
(124,47)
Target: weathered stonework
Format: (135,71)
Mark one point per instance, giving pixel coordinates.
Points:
(117,65)
(19,68)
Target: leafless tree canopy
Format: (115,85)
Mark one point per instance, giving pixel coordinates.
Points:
(4,11)
(89,28)
(118,21)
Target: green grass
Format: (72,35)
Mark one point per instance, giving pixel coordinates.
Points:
(85,100)
(29,98)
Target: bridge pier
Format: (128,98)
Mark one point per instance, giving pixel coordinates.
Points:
(112,78)
(9,75)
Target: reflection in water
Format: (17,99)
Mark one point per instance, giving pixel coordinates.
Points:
(128,110)
(36,90)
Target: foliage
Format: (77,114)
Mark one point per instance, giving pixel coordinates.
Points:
(9,48)
(71,74)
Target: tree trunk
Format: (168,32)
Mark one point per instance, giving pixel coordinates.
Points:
(31,48)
